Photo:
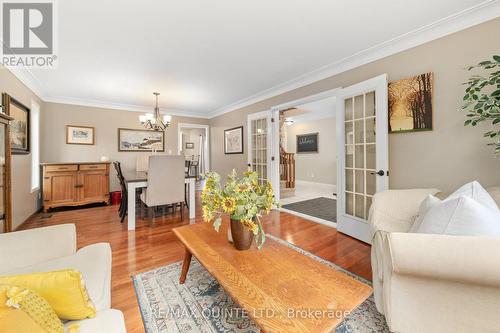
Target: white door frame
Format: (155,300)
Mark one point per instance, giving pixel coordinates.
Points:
(180,126)
(353,226)
(275,110)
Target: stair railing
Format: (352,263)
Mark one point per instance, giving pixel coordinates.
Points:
(287,168)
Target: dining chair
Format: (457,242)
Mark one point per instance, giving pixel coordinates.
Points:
(122,211)
(142,162)
(166,178)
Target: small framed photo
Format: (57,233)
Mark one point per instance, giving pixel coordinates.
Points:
(233,140)
(189,145)
(80,135)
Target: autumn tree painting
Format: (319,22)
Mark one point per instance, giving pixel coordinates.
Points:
(410,104)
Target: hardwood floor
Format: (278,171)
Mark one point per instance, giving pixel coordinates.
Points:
(147,248)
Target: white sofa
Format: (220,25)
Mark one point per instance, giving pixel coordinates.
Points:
(427,282)
(54,248)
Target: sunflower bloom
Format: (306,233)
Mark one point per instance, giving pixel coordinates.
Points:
(228,204)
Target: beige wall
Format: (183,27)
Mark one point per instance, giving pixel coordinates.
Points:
(448,156)
(56,116)
(24,201)
(318,167)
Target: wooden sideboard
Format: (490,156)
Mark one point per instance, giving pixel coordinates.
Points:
(74,184)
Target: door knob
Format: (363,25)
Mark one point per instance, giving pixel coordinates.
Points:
(380,173)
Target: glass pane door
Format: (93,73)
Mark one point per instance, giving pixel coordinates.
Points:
(360,152)
(363,160)
(258,156)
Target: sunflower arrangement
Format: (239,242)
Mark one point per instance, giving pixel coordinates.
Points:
(244,199)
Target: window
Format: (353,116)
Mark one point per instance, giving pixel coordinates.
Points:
(35,146)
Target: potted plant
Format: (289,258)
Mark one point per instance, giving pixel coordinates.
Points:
(482,98)
(244,200)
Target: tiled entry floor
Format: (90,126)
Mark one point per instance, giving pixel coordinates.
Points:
(309,190)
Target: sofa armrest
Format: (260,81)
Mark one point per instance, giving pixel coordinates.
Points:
(396,210)
(24,248)
(463,259)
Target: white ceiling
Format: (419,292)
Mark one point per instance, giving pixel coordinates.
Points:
(205,57)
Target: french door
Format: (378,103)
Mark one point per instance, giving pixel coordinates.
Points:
(259,144)
(363,161)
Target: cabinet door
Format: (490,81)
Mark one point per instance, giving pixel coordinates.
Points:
(94,186)
(60,188)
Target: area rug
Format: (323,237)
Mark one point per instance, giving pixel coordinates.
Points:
(323,208)
(202,305)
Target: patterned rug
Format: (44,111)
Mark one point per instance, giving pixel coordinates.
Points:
(202,305)
(323,208)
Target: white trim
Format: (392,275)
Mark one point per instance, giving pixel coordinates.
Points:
(307,99)
(310,217)
(485,11)
(180,126)
(307,182)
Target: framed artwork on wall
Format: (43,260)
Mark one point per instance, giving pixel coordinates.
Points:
(189,145)
(19,126)
(233,140)
(80,135)
(307,143)
(410,104)
(140,140)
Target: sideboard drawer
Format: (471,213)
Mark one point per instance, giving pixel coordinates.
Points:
(85,167)
(62,167)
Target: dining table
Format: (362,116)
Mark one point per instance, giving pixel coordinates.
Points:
(139,179)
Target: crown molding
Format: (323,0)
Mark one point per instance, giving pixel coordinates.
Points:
(485,11)
(120,106)
(24,75)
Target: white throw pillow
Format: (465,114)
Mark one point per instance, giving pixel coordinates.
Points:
(461,216)
(475,191)
(428,203)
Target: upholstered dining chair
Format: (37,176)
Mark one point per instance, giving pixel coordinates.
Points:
(165,183)
(141,163)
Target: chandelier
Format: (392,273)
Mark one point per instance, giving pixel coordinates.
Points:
(155,121)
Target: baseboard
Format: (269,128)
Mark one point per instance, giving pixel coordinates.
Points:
(307,182)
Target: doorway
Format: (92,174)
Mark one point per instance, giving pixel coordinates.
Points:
(360,144)
(193,144)
(307,157)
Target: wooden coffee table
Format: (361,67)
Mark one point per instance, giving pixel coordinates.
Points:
(281,289)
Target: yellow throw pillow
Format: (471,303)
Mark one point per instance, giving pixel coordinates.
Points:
(64,290)
(24,311)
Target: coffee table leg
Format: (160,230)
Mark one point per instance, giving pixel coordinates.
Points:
(185,266)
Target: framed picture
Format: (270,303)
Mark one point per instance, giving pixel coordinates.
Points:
(189,145)
(80,135)
(233,140)
(307,143)
(20,125)
(140,140)
(410,104)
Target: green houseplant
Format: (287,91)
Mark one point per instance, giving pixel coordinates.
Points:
(482,98)
(245,200)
